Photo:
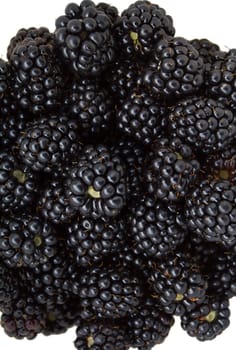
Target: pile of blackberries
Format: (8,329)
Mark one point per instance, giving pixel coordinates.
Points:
(117,180)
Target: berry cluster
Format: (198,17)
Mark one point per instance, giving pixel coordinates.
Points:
(117,180)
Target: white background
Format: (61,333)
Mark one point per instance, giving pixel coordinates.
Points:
(214,20)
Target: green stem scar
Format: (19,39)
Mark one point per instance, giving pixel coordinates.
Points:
(90,341)
(93,193)
(20,176)
(136,42)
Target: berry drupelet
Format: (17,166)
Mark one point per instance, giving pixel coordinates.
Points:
(171,170)
(174,70)
(140,27)
(84,39)
(206,49)
(47,142)
(205,124)
(9,286)
(26,241)
(97,185)
(156,227)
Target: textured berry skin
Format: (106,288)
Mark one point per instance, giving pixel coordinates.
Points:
(37,75)
(9,288)
(32,33)
(220,78)
(211,211)
(47,142)
(205,124)
(110,292)
(149,326)
(156,228)
(11,126)
(207,320)
(91,105)
(84,39)
(109,10)
(18,184)
(97,183)
(175,69)
(171,170)
(141,117)
(54,205)
(93,240)
(206,49)
(179,284)
(26,241)
(101,336)
(23,319)
(5,76)
(140,27)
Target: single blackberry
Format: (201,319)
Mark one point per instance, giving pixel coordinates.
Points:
(91,105)
(220,78)
(47,142)
(207,320)
(96,185)
(32,33)
(140,27)
(5,77)
(53,282)
(178,283)
(23,319)
(156,228)
(37,76)
(133,156)
(9,286)
(109,10)
(93,240)
(211,211)
(59,318)
(141,117)
(149,325)
(26,241)
(53,204)
(103,335)
(171,170)
(205,124)
(110,292)
(18,184)
(175,69)
(206,49)
(122,78)
(84,39)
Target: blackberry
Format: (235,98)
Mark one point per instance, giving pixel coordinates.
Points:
(96,184)
(156,228)
(142,117)
(5,77)
(110,292)
(11,126)
(103,335)
(53,204)
(122,78)
(175,69)
(18,184)
(91,105)
(211,209)
(93,240)
(23,319)
(179,285)
(207,320)
(140,27)
(171,170)
(220,78)
(9,286)
(205,124)
(206,49)
(37,76)
(109,10)
(26,241)
(149,326)
(133,155)
(84,39)
(47,142)
(32,33)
